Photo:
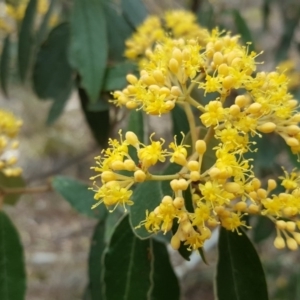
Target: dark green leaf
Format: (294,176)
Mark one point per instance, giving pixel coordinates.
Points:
(115,77)
(44,27)
(59,104)
(239,271)
(180,123)
(243,29)
(164,280)
(118,30)
(262,229)
(89,48)
(26,39)
(4,64)
(127,265)
(146,196)
(95,262)
(52,73)
(291,20)
(135,11)
(11,182)
(98,120)
(79,196)
(12,267)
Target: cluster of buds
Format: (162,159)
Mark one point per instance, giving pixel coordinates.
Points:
(9,128)
(246,103)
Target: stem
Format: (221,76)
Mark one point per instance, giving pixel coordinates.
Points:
(210,133)
(196,104)
(163,177)
(26,190)
(192,85)
(192,124)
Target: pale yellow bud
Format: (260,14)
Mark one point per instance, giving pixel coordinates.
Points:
(241,100)
(175,242)
(194,175)
(296,236)
(205,233)
(231,56)
(218,45)
(177,54)
(186,226)
(132,139)
(290,226)
(256,183)
(131,89)
(279,243)
(253,209)
(223,69)
(200,146)
(289,211)
(174,185)
(131,79)
(292,129)
(232,187)
(164,90)
(219,210)
(292,142)
(296,118)
(173,65)
(175,91)
(167,200)
(212,223)
(182,184)
(193,165)
(280,224)
(267,127)
(292,103)
(131,105)
(234,110)
(178,202)
(157,210)
(272,184)
(129,165)
(107,176)
(117,165)
(186,53)
(228,82)
(139,176)
(254,108)
(154,88)
(158,76)
(262,193)
(253,195)
(214,172)
(218,58)
(291,244)
(241,206)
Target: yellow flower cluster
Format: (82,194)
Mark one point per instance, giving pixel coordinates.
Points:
(9,128)
(246,103)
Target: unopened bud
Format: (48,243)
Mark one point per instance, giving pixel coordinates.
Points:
(200,146)
(139,176)
(279,242)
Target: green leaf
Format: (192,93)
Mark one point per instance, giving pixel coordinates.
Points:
(79,196)
(118,30)
(164,280)
(97,119)
(53,76)
(89,48)
(262,229)
(146,196)
(291,21)
(243,29)
(180,123)
(115,77)
(134,11)
(12,267)
(52,73)
(44,27)
(95,263)
(4,64)
(127,265)
(239,271)
(11,182)
(26,39)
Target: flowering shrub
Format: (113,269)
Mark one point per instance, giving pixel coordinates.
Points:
(213,182)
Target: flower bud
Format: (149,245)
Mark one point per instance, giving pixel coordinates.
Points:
(279,243)
(139,176)
(193,165)
(267,127)
(131,79)
(178,202)
(290,226)
(200,146)
(291,244)
(173,65)
(131,138)
(280,224)
(175,242)
(167,200)
(159,76)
